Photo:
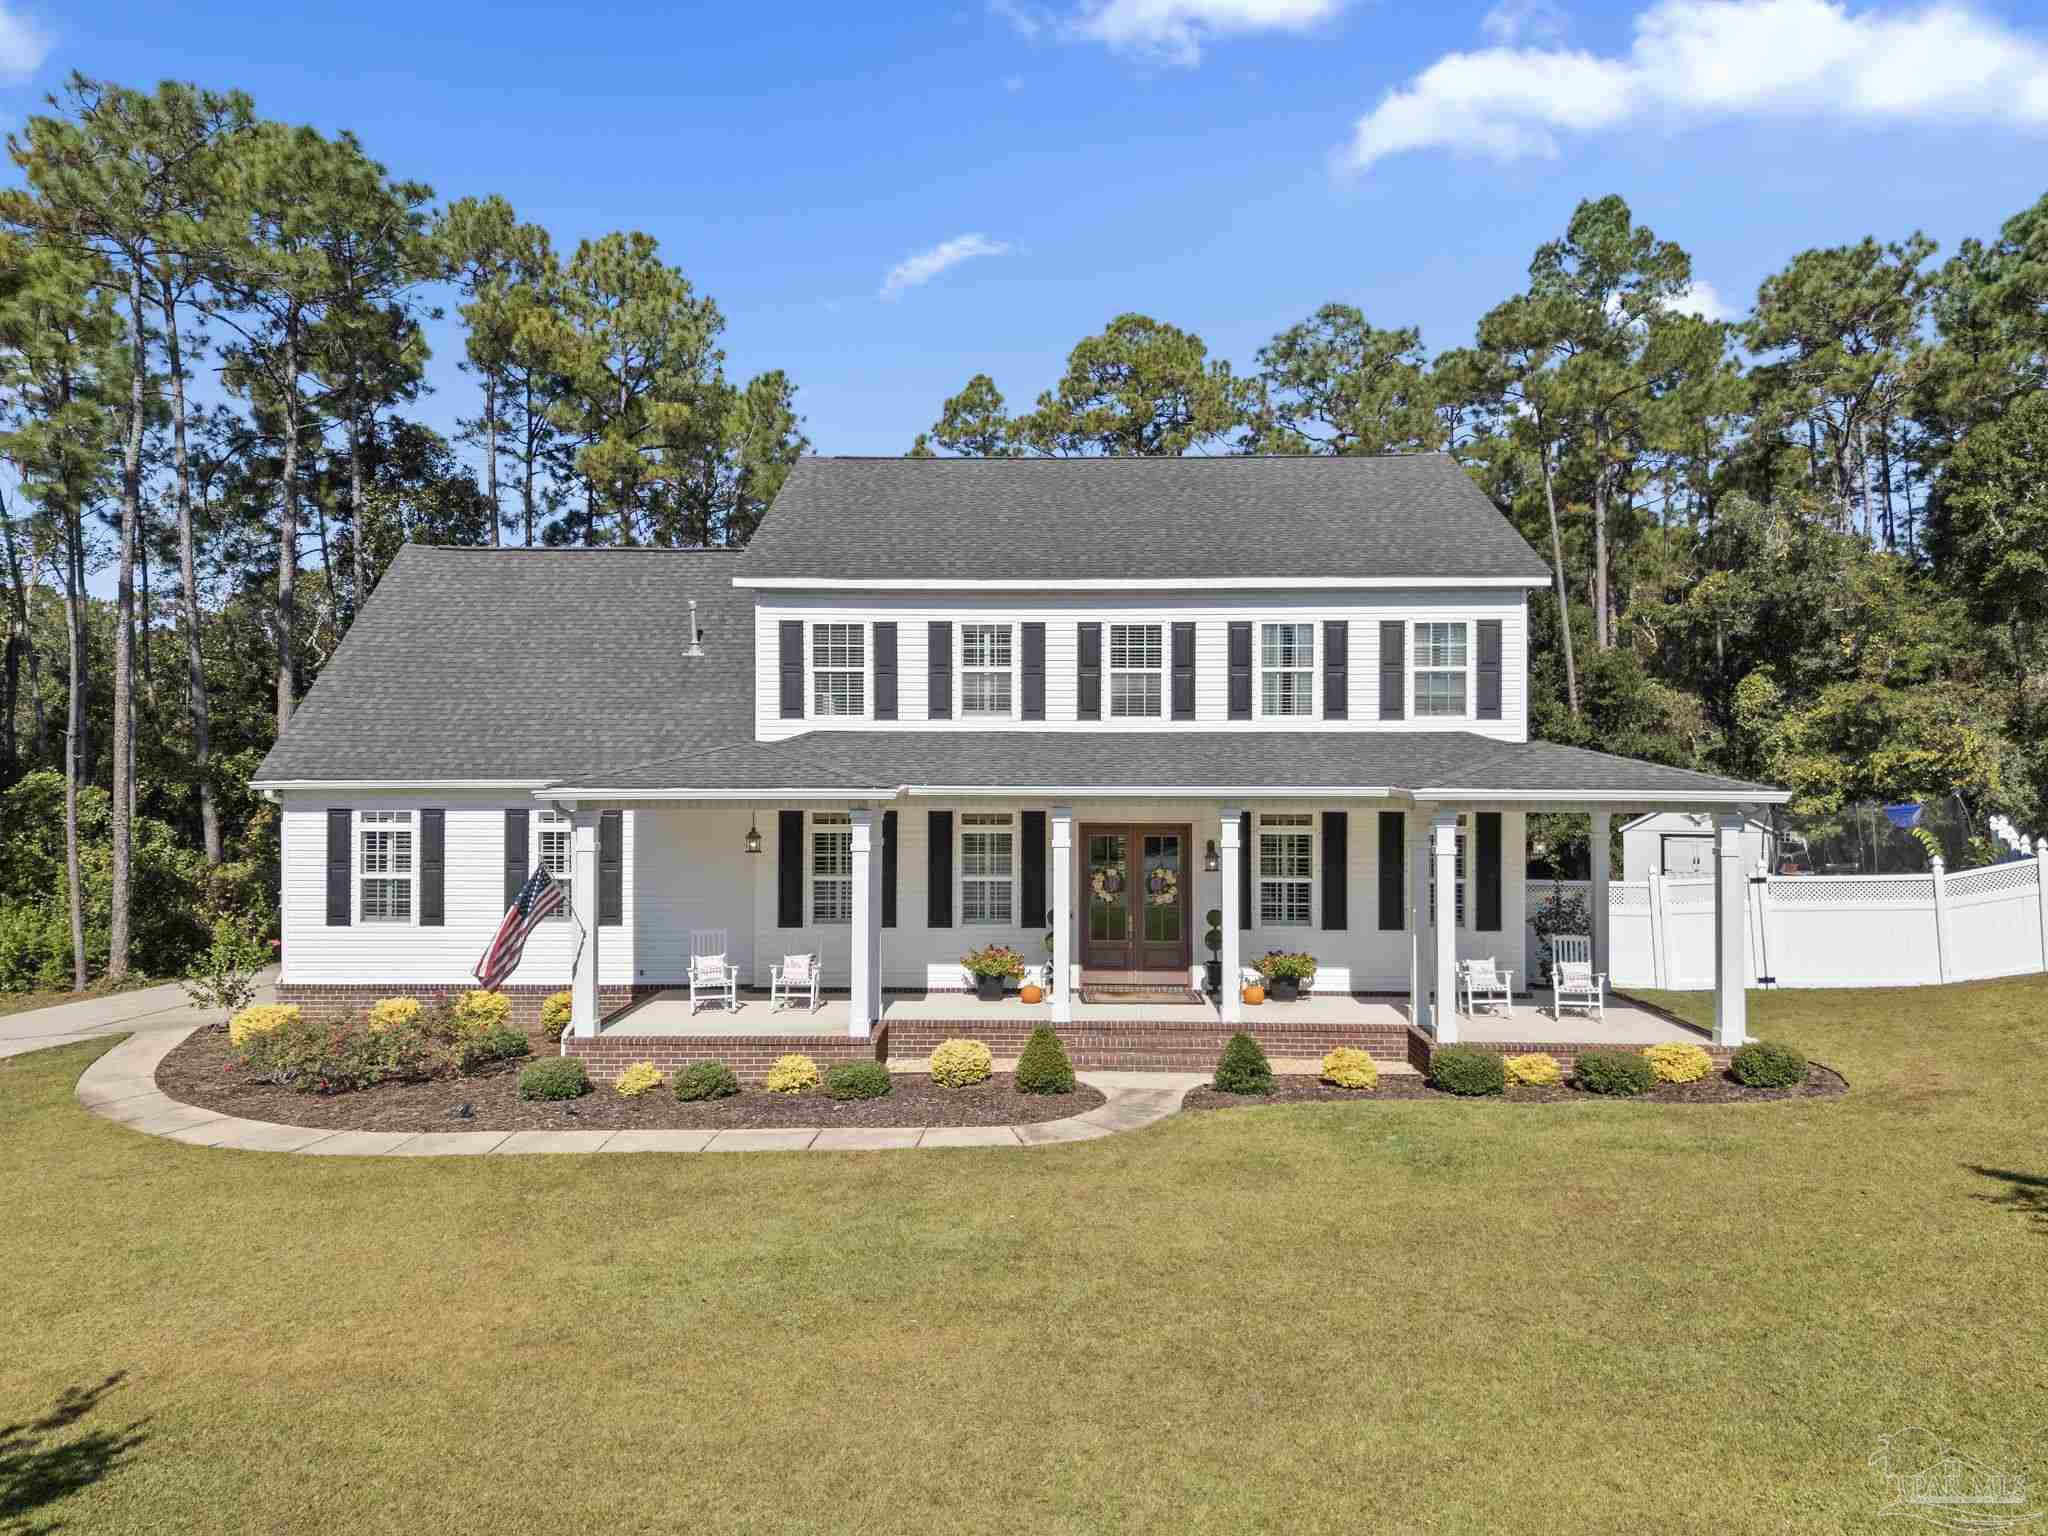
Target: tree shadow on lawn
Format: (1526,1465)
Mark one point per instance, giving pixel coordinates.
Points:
(35,1472)
(2025,1192)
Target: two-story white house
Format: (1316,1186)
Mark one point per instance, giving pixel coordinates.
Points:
(1067,705)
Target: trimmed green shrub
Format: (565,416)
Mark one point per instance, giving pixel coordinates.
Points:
(1614,1071)
(480,1050)
(1244,1068)
(1766,1064)
(857,1080)
(706,1080)
(555,1077)
(960,1063)
(1467,1070)
(1044,1068)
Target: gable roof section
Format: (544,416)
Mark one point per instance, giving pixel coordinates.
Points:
(504,665)
(1259,521)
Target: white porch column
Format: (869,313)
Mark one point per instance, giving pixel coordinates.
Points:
(864,992)
(1444,837)
(1061,982)
(1228,855)
(1598,904)
(1421,953)
(1731,934)
(584,1013)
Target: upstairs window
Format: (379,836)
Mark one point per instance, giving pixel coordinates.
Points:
(551,852)
(1137,671)
(1443,684)
(839,669)
(831,867)
(988,863)
(986,659)
(387,866)
(1287,669)
(1286,871)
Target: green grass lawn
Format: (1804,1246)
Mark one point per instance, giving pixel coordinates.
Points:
(1456,1317)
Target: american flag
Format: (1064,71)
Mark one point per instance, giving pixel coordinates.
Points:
(538,899)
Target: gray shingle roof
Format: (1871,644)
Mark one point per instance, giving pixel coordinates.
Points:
(1088,759)
(1390,517)
(514,664)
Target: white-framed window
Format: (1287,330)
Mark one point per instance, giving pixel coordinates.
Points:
(988,869)
(385,844)
(1464,859)
(1287,870)
(839,670)
(553,847)
(1287,669)
(831,867)
(1137,671)
(988,682)
(1443,670)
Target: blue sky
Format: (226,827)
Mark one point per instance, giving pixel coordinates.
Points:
(1226,165)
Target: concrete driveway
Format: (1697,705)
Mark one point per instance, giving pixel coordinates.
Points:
(147,1008)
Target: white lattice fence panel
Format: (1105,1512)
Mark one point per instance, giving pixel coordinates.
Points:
(1995,921)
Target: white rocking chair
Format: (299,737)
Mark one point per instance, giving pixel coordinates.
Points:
(713,978)
(1573,981)
(796,977)
(1483,981)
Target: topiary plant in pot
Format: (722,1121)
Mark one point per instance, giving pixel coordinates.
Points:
(1286,974)
(1212,968)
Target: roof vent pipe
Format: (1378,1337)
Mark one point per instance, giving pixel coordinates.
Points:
(696,645)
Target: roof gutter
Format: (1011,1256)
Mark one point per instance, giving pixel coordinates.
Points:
(1136,584)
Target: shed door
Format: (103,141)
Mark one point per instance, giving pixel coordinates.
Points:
(1688,856)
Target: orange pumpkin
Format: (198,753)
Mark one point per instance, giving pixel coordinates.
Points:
(1254,994)
(1031,993)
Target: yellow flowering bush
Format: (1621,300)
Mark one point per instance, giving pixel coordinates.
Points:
(637,1079)
(554,1014)
(1535,1070)
(261,1020)
(791,1074)
(392,1012)
(1678,1062)
(957,1063)
(1349,1067)
(482,1011)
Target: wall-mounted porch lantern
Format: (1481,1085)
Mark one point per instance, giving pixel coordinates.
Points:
(753,843)
(1210,863)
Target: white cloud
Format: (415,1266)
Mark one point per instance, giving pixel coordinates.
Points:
(1173,31)
(1716,58)
(926,265)
(1013,83)
(1513,21)
(1703,299)
(23,44)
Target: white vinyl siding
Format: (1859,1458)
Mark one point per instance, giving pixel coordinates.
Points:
(1285,871)
(1287,669)
(988,678)
(384,866)
(1441,670)
(831,867)
(1136,667)
(988,867)
(839,670)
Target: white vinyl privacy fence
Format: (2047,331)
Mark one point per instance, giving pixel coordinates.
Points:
(1826,930)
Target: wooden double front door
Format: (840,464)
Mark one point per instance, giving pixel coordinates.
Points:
(1135,891)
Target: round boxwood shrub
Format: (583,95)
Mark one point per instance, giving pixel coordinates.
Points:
(1349,1067)
(1612,1071)
(706,1080)
(791,1074)
(958,1063)
(641,1077)
(857,1080)
(1678,1062)
(554,1077)
(1537,1069)
(1244,1068)
(1044,1068)
(1766,1064)
(1467,1070)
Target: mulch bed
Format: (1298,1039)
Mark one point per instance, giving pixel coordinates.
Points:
(1715,1088)
(199,1072)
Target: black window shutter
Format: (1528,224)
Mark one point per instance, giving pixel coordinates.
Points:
(516,852)
(1244,869)
(1336,870)
(938,894)
(1034,671)
(789,869)
(1183,671)
(340,899)
(611,868)
(940,665)
(1031,870)
(1393,668)
(1240,671)
(888,869)
(1486,856)
(433,869)
(1393,874)
(885,671)
(1088,685)
(1336,669)
(792,669)
(1489,670)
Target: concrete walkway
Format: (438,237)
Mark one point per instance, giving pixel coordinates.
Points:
(121,1086)
(119,1013)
